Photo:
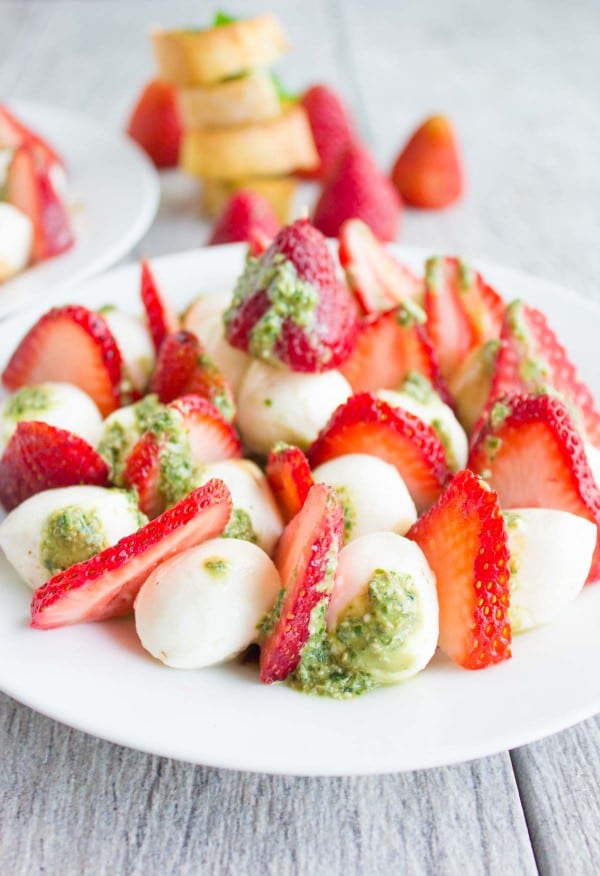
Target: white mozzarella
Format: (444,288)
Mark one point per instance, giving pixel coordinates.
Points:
(202,606)
(135,344)
(593,458)
(250,493)
(16,240)
(23,533)
(59,404)
(373,494)
(551,554)
(276,404)
(205,319)
(414,597)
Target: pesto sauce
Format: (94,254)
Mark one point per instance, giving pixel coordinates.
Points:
(266,624)
(240,526)
(418,387)
(178,473)
(118,439)
(71,535)
(498,414)
(216,566)
(348,510)
(28,401)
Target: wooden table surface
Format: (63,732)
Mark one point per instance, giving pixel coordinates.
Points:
(521,80)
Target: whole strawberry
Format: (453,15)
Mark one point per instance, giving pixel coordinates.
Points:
(357,189)
(428,171)
(330,125)
(155,124)
(288,306)
(243,213)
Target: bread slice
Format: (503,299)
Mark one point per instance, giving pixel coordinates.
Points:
(251,98)
(278,191)
(203,57)
(274,147)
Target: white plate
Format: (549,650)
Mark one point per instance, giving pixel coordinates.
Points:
(97,677)
(115,192)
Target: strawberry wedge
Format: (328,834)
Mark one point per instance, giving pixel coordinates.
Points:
(160,318)
(106,585)
(289,477)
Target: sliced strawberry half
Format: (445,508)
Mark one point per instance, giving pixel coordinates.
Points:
(184,367)
(161,319)
(142,471)
(377,279)
(465,542)
(471,383)
(462,310)
(366,424)
(389,345)
(107,584)
(289,477)
(14,133)
(71,345)
(42,457)
(306,564)
(212,438)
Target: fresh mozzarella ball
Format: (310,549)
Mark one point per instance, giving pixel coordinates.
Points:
(431,409)
(205,319)
(593,458)
(385,602)
(121,430)
(57,528)
(373,494)
(255,514)
(202,606)
(16,239)
(59,404)
(551,554)
(135,345)
(280,405)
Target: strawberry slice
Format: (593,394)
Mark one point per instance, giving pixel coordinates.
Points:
(212,438)
(462,310)
(306,564)
(465,542)
(428,171)
(184,367)
(31,190)
(161,319)
(70,345)
(143,471)
(14,133)
(471,383)
(376,278)
(531,453)
(289,477)
(389,345)
(42,457)
(366,424)
(107,584)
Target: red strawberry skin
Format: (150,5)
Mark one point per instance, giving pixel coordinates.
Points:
(94,362)
(42,457)
(212,437)
(465,542)
(331,128)
(243,214)
(106,585)
(357,189)
(155,124)
(531,453)
(306,562)
(290,478)
(428,171)
(366,424)
(142,472)
(159,316)
(14,133)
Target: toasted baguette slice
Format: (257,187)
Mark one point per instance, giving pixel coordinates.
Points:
(251,98)
(271,148)
(278,191)
(202,57)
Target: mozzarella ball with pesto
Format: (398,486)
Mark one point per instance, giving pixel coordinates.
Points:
(122,429)
(59,404)
(205,319)
(550,558)
(16,240)
(255,515)
(383,613)
(57,528)
(135,345)
(202,606)
(276,404)
(373,495)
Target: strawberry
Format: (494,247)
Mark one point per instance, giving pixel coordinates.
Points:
(376,278)
(462,310)
(212,438)
(42,457)
(306,564)
(243,215)
(288,306)
(14,133)
(366,424)
(357,189)
(471,383)
(258,241)
(183,367)
(30,189)
(389,345)
(289,477)
(143,472)
(331,128)
(531,453)
(160,318)
(428,171)
(71,345)
(465,542)
(155,123)
(106,585)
